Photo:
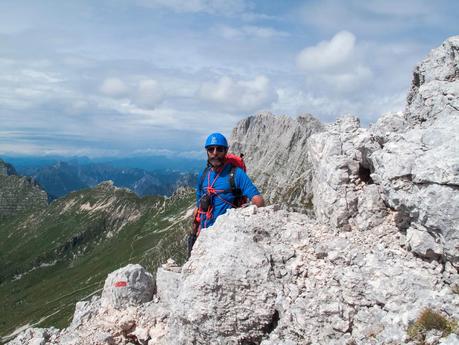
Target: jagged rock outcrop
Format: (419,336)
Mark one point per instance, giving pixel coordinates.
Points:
(18,193)
(6,169)
(276,155)
(418,168)
(408,162)
(344,194)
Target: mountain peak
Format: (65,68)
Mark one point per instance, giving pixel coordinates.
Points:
(6,169)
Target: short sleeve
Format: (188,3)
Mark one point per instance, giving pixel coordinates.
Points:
(245,184)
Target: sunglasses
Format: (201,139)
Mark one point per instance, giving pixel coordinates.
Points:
(212,149)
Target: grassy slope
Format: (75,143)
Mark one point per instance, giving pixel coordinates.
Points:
(75,242)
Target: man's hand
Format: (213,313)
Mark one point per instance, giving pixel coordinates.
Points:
(258,201)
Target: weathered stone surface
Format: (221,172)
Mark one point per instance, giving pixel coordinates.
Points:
(130,285)
(36,336)
(168,281)
(256,277)
(435,86)
(276,156)
(419,168)
(225,293)
(341,182)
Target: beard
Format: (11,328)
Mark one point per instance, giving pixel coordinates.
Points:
(216,161)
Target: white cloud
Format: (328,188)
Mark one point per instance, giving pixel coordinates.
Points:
(334,66)
(405,9)
(149,93)
(169,153)
(372,17)
(144,93)
(113,87)
(348,81)
(242,95)
(219,7)
(39,76)
(28,149)
(327,54)
(251,31)
(328,107)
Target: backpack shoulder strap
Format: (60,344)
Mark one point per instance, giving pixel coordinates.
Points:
(231,175)
(236,191)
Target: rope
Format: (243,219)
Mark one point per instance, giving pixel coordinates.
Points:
(213,192)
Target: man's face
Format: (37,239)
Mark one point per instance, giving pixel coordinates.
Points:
(216,155)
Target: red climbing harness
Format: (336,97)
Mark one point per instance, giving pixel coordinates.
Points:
(211,192)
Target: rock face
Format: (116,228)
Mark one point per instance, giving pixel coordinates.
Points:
(18,193)
(344,194)
(6,169)
(418,169)
(276,155)
(381,248)
(268,276)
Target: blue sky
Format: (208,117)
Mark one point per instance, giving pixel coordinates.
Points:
(125,77)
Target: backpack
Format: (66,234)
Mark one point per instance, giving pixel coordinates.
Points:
(236,162)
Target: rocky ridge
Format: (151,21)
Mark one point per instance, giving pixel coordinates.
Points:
(381,248)
(18,193)
(275,149)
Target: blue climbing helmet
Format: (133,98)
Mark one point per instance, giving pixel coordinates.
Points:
(216,139)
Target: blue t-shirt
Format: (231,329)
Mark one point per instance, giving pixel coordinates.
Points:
(222,183)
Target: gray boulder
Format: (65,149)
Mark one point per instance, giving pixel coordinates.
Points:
(226,291)
(130,285)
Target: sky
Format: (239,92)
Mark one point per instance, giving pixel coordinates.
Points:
(146,77)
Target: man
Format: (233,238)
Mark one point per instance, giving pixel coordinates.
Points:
(214,193)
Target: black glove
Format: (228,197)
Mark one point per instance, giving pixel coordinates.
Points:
(191,239)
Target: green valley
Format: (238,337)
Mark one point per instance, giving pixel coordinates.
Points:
(52,257)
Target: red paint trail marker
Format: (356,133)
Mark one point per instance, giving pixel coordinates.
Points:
(120,284)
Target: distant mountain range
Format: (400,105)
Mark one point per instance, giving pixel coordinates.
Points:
(146,162)
(61,178)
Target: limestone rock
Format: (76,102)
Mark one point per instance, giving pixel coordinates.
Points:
(127,286)
(255,277)
(366,286)
(435,86)
(340,156)
(225,293)
(84,311)
(36,336)
(418,169)
(167,285)
(276,156)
